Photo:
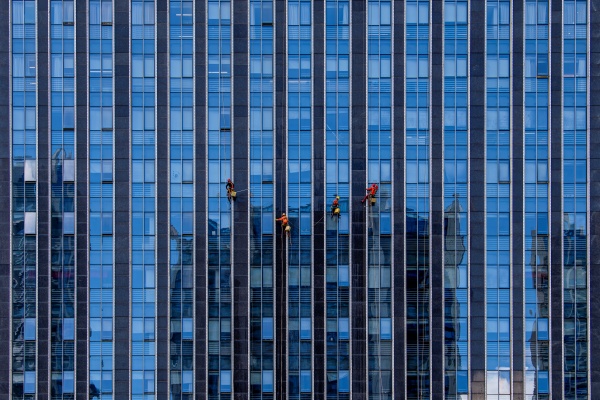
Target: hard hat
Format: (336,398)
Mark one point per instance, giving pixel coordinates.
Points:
(282,213)
(337,197)
(229,180)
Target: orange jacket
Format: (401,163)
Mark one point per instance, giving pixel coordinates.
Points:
(283,219)
(373,189)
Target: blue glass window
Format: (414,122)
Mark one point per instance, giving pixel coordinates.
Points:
(498,182)
(30,329)
(343,328)
(267,328)
(267,381)
(386,328)
(344,382)
(575,83)
(305,381)
(30,382)
(225,381)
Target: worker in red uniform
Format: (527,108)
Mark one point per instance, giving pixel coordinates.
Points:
(285,224)
(335,206)
(371,192)
(229,187)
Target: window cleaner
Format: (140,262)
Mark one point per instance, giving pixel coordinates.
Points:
(285,224)
(231,194)
(335,207)
(371,192)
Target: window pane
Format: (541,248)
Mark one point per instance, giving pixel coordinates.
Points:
(267,381)
(343,278)
(344,381)
(267,329)
(305,381)
(30,329)
(226,381)
(67,382)
(68,171)
(30,223)
(305,328)
(68,329)
(29,385)
(31,170)
(68,223)
(386,328)
(343,329)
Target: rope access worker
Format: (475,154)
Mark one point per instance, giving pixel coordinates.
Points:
(230,192)
(371,192)
(335,207)
(285,224)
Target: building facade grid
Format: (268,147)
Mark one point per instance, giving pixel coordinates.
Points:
(379,216)
(101,200)
(262,208)
(418,195)
(130,274)
(536,199)
(219,207)
(498,189)
(456,194)
(24,155)
(337,184)
(181,204)
(62,215)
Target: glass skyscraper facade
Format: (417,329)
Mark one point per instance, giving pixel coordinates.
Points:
(471,271)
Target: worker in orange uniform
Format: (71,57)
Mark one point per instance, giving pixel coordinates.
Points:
(371,192)
(335,207)
(230,191)
(285,224)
